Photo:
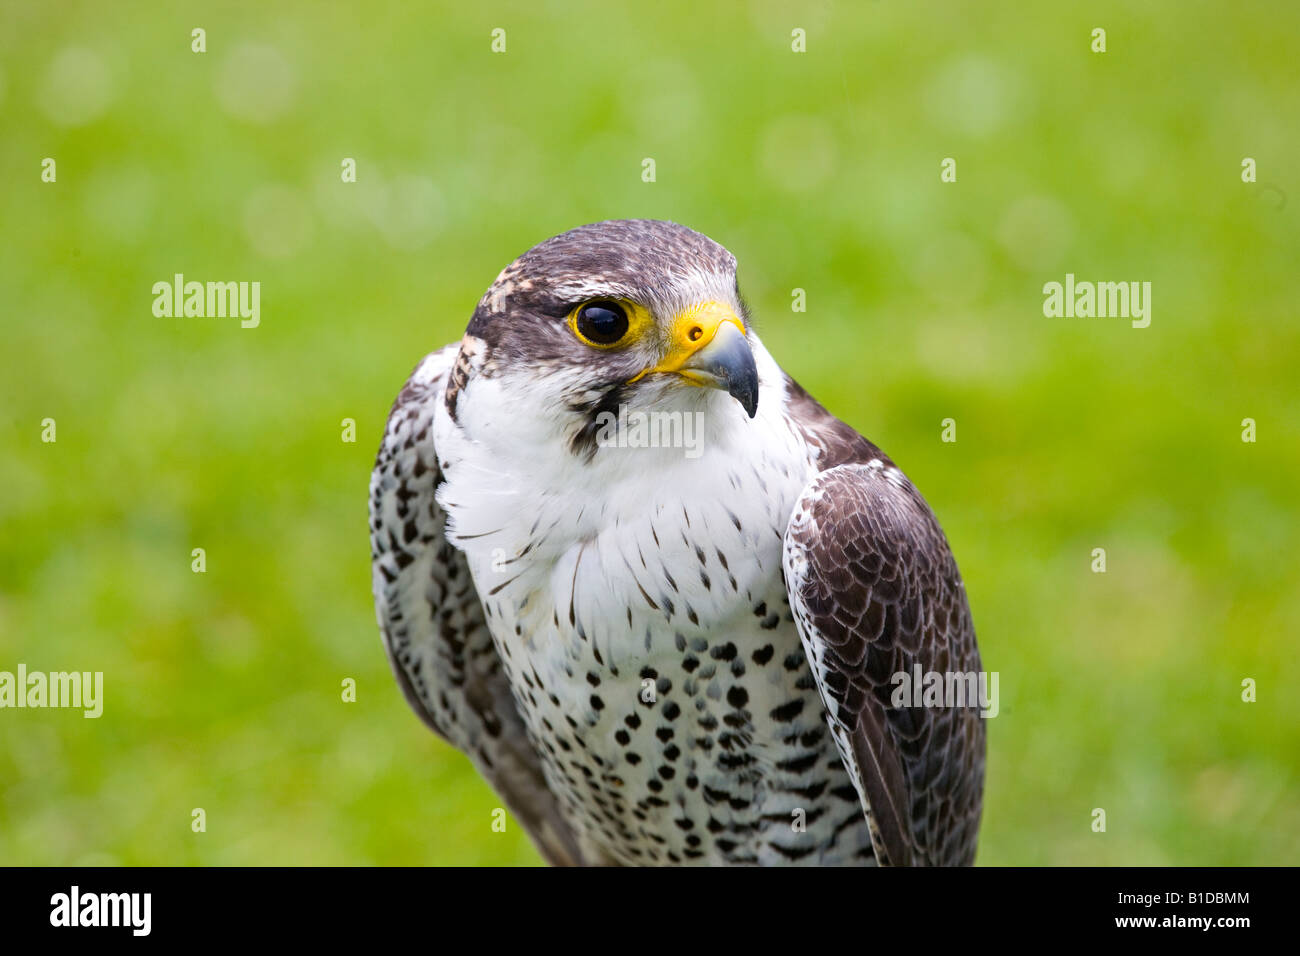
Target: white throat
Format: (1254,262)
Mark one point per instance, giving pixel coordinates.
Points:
(543,527)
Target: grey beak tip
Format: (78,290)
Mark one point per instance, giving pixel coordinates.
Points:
(728,362)
(742,381)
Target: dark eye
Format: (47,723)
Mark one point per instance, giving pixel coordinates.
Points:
(602,322)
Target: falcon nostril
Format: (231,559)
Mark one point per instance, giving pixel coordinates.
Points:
(695,333)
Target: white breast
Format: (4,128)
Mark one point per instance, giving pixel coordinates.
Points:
(596,573)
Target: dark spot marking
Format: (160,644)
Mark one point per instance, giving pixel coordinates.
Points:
(788,712)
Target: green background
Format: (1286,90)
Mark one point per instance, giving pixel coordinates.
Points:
(820,171)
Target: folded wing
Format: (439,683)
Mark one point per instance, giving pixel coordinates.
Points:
(432,621)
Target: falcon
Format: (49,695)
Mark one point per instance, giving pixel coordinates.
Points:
(657,657)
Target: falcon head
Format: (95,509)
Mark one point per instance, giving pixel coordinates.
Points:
(636,313)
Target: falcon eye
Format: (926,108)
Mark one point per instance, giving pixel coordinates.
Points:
(602,322)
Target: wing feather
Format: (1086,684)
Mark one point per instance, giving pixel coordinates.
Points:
(432,620)
(875,591)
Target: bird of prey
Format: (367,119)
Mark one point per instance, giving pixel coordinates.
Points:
(659,653)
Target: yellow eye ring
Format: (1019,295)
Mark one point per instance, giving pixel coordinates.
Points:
(608,323)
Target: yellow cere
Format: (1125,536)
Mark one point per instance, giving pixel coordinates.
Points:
(692,330)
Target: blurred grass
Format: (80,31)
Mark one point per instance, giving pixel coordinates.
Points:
(820,171)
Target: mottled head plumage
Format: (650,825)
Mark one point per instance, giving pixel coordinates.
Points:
(661,264)
(671,281)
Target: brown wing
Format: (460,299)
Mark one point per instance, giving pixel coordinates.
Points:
(432,621)
(875,591)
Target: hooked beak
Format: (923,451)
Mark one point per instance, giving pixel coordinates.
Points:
(710,349)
